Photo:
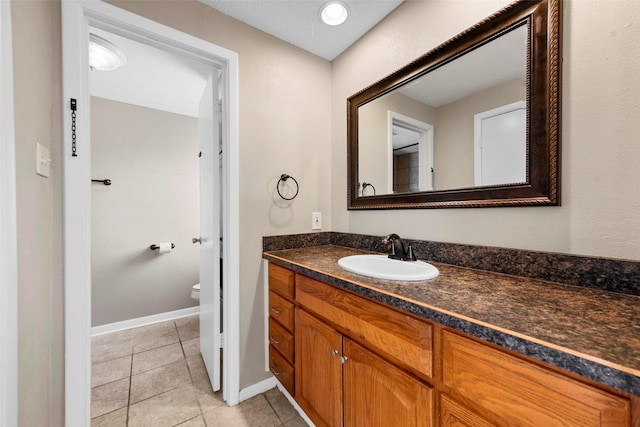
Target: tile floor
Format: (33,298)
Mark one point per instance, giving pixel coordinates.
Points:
(154,376)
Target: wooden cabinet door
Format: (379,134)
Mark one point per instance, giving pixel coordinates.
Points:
(453,414)
(318,370)
(509,391)
(377,394)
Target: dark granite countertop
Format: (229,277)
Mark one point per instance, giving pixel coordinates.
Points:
(591,332)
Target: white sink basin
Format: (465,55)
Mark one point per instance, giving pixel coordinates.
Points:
(383,267)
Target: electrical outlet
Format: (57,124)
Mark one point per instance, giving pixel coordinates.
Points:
(316,220)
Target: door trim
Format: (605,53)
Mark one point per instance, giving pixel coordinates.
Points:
(425,149)
(76,18)
(477,134)
(8,231)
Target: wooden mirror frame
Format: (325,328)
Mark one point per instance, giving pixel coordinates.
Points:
(543,19)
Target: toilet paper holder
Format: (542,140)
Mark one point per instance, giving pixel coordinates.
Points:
(155,247)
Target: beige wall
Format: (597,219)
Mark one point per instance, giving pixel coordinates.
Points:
(285,127)
(36,49)
(151,158)
(600,151)
(453,150)
(373,136)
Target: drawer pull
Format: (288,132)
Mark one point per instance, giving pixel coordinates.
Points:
(343,359)
(334,353)
(275,371)
(275,340)
(275,310)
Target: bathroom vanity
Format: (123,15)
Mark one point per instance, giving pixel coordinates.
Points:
(468,348)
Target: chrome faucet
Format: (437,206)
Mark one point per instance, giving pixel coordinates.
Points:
(397,249)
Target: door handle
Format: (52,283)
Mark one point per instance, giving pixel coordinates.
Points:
(196,240)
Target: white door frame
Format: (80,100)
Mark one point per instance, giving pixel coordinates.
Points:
(8,231)
(425,149)
(76,18)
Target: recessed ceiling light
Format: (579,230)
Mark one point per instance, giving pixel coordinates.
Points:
(104,55)
(334,13)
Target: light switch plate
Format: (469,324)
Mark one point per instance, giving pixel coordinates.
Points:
(316,220)
(43,160)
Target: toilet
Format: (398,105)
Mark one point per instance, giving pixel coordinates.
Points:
(195,292)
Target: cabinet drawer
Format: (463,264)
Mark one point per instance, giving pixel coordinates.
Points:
(281,281)
(281,339)
(508,390)
(281,310)
(282,370)
(400,338)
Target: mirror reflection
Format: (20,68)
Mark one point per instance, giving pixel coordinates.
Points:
(461,125)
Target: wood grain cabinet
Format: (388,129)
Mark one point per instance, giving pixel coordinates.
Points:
(339,381)
(281,326)
(318,370)
(352,362)
(484,386)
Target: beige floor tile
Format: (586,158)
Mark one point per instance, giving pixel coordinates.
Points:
(159,380)
(109,397)
(112,419)
(167,409)
(207,398)
(255,412)
(111,346)
(195,422)
(110,371)
(154,336)
(160,356)
(188,327)
(191,347)
(298,421)
(281,405)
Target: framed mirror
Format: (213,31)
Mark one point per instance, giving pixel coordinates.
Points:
(475,122)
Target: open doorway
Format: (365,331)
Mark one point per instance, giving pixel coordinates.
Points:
(78,19)
(155,146)
(410,144)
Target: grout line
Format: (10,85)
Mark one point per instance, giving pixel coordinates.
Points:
(130,383)
(272,408)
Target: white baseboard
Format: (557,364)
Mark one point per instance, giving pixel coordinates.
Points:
(143,321)
(256,389)
(295,405)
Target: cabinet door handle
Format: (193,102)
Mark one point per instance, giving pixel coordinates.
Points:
(275,371)
(275,310)
(275,340)
(343,359)
(334,353)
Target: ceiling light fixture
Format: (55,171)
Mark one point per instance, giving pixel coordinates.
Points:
(104,55)
(334,13)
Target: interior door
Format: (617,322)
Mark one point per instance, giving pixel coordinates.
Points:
(502,145)
(210,333)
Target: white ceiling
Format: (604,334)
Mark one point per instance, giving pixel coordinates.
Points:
(298,21)
(165,81)
(499,61)
(151,77)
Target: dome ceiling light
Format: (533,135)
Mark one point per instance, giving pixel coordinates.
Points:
(104,55)
(334,13)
